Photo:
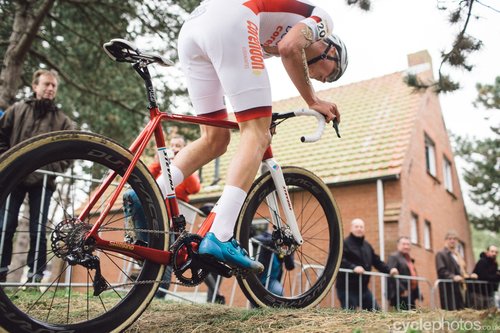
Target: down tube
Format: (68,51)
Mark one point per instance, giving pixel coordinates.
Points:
(279,181)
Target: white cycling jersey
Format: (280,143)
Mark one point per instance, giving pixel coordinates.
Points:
(220,50)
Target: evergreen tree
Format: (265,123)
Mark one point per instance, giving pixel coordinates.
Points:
(483,158)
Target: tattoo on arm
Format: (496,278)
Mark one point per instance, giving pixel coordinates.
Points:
(306,69)
(308,35)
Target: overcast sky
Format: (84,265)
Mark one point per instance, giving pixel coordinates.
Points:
(380,40)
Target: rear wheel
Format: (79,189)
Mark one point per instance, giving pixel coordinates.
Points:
(48,290)
(302,278)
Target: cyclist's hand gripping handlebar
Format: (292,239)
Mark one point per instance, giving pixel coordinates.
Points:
(321,125)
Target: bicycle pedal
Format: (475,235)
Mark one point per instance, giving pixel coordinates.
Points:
(210,263)
(241,273)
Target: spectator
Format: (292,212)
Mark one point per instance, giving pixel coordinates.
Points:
(133,208)
(450,265)
(39,114)
(403,293)
(486,270)
(273,264)
(359,256)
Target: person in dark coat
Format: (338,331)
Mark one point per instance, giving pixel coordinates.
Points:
(487,270)
(359,256)
(403,293)
(23,120)
(450,265)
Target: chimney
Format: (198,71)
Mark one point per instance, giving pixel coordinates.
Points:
(420,64)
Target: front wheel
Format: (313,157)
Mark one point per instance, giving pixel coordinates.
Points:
(302,277)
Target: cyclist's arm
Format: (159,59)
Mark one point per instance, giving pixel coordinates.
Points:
(291,49)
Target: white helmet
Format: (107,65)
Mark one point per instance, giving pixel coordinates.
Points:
(341,59)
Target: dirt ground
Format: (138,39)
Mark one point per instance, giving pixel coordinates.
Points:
(175,317)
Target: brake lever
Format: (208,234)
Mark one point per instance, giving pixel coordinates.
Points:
(336,127)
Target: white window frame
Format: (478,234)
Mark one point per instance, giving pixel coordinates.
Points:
(414,228)
(430,156)
(427,235)
(447,174)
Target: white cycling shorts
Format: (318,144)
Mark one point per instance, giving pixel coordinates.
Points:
(220,54)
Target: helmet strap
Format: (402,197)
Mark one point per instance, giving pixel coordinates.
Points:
(323,56)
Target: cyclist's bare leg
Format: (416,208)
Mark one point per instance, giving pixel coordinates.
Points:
(212,143)
(255,139)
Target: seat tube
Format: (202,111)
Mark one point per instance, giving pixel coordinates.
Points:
(165,156)
(274,168)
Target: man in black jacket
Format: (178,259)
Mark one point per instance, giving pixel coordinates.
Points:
(402,293)
(486,270)
(21,121)
(359,256)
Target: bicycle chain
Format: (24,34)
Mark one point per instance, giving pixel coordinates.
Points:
(182,235)
(150,231)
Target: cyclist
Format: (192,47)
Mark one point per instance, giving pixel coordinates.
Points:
(222,46)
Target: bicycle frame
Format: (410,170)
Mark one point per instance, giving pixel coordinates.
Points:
(137,148)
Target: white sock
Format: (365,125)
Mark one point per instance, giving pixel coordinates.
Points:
(226,212)
(177,178)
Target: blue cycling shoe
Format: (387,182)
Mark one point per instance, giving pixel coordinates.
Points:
(229,252)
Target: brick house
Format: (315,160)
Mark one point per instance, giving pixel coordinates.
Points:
(393,167)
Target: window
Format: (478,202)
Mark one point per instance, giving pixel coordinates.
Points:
(427,236)
(414,229)
(447,175)
(430,156)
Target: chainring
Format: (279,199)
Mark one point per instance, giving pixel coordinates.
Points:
(183,265)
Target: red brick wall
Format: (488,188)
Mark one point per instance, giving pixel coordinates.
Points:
(426,195)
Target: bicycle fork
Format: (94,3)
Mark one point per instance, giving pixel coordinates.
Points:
(284,198)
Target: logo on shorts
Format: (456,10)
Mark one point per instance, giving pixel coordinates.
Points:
(255,50)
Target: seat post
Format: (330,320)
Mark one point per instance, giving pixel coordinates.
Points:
(141,68)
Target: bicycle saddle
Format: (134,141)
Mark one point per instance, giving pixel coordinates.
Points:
(122,50)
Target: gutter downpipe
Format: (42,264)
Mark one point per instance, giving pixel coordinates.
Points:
(380,214)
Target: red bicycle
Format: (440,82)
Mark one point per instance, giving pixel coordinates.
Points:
(100,276)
